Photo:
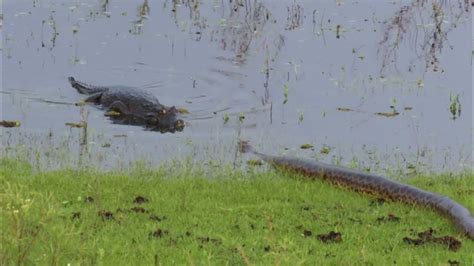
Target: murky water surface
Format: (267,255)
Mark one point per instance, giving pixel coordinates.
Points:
(372,83)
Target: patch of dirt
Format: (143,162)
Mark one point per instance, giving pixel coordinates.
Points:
(158,233)
(76,216)
(140,200)
(331,237)
(139,210)
(389,218)
(454,263)
(307,233)
(377,202)
(427,236)
(305,208)
(106,215)
(157,218)
(88,199)
(466,191)
(122,210)
(206,240)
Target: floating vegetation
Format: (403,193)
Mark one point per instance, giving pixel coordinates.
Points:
(285,93)
(300,116)
(344,109)
(225,117)
(338,31)
(388,114)
(325,149)
(455,106)
(143,12)
(76,125)
(241,117)
(182,110)
(306,146)
(106,145)
(9,124)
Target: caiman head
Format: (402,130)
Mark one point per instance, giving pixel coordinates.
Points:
(165,120)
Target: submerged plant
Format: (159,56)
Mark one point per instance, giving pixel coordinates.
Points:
(285,93)
(455,106)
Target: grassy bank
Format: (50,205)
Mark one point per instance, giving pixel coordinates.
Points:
(178,215)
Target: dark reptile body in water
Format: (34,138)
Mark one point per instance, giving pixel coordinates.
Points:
(372,184)
(131,106)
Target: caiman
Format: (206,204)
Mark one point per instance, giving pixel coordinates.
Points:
(371,184)
(131,106)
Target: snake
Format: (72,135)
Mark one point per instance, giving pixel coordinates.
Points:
(368,183)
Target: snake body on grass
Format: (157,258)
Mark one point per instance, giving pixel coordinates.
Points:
(372,184)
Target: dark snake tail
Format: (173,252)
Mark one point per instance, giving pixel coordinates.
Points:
(372,184)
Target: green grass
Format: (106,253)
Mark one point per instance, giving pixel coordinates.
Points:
(227,217)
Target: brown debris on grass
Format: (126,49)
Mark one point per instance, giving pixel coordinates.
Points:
(75,216)
(206,240)
(454,263)
(331,237)
(157,218)
(307,233)
(389,218)
(158,233)
(88,199)
(427,237)
(139,210)
(140,200)
(106,215)
(377,202)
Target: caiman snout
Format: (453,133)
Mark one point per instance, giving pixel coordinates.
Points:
(179,124)
(166,119)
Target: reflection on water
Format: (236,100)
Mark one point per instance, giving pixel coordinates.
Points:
(425,25)
(372,83)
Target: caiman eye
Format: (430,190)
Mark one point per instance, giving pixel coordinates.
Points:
(163,111)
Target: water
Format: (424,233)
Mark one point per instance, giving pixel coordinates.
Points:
(278,73)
